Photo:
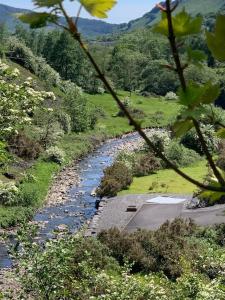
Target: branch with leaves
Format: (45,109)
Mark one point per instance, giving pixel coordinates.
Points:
(180,25)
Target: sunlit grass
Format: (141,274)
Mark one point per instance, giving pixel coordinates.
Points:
(167,181)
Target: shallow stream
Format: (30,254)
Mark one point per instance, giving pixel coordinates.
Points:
(81,205)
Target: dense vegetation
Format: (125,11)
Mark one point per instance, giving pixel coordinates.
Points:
(55,108)
(178,261)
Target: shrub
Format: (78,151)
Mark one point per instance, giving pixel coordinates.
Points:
(83,116)
(27,197)
(22,55)
(160,138)
(127,158)
(4,155)
(152,251)
(146,164)
(75,265)
(109,188)
(24,147)
(180,155)
(191,140)
(8,194)
(55,154)
(116,178)
(64,120)
(171,96)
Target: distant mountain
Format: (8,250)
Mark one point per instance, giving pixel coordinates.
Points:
(93,28)
(87,27)
(204,7)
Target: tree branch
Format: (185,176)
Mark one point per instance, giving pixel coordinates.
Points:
(180,72)
(75,34)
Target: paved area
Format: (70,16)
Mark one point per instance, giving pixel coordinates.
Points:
(113,213)
(151,216)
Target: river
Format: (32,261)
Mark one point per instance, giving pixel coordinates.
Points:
(81,205)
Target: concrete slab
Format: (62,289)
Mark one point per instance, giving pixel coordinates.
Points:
(151,216)
(166,200)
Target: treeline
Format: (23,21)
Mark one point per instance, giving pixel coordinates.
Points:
(136,61)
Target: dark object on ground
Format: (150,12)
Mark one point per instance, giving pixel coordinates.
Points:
(9,175)
(131,208)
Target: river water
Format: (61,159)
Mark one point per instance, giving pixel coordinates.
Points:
(81,205)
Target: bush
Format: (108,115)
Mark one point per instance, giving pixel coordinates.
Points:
(109,187)
(4,155)
(152,251)
(116,178)
(22,55)
(171,96)
(75,265)
(83,116)
(191,140)
(127,158)
(24,147)
(8,194)
(64,120)
(146,164)
(160,139)
(180,155)
(27,197)
(55,154)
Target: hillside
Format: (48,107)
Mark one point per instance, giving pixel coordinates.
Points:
(93,28)
(194,7)
(87,27)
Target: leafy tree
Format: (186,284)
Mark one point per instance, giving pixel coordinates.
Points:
(192,96)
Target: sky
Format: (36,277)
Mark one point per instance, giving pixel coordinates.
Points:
(124,11)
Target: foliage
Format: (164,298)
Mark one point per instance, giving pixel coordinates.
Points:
(8,193)
(191,140)
(82,115)
(116,178)
(4,155)
(24,147)
(22,55)
(146,164)
(55,154)
(180,155)
(151,251)
(18,101)
(161,139)
(171,96)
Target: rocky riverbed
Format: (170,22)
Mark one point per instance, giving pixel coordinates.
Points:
(70,203)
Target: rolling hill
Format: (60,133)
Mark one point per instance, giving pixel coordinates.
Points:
(93,28)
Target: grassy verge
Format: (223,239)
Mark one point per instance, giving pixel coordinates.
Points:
(77,145)
(167,181)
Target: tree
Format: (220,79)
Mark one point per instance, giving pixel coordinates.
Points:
(192,96)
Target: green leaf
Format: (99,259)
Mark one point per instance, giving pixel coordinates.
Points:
(162,26)
(195,94)
(47,3)
(181,127)
(216,39)
(37,20)
(196,56)
(98,8)
(221,133)
(183,24)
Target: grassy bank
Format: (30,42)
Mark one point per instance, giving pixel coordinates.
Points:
(78,145)
(167,181)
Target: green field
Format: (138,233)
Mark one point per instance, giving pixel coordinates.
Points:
(167,181)
(158,112)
